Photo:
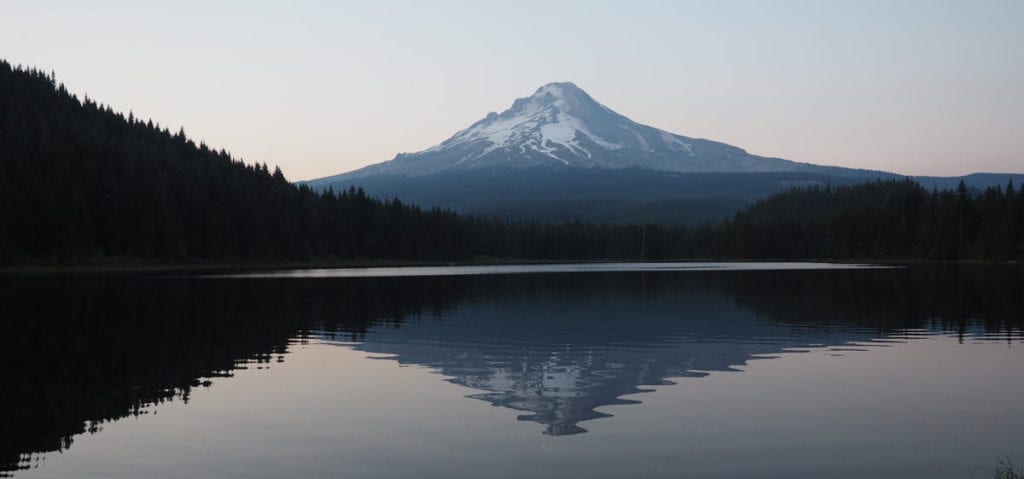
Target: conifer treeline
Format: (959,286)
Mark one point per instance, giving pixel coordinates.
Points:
(82,183)
(881,219)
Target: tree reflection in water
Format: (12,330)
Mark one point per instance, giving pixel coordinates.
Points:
(81,351)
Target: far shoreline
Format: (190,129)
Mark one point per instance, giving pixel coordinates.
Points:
(138,267)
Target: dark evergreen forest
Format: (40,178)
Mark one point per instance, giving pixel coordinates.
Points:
(881,219)
(81,183)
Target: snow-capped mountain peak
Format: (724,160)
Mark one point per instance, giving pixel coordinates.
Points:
(560,125)
(550,120)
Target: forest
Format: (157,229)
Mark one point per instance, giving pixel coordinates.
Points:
(83,184)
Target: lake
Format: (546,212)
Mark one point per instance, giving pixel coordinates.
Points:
(643,370)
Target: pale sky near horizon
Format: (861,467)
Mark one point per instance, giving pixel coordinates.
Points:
(319,88)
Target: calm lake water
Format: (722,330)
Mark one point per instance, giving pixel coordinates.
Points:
(710,370)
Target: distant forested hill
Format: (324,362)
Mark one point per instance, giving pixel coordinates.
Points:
(80,183)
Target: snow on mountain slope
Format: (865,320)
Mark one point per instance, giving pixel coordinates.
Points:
(560,125)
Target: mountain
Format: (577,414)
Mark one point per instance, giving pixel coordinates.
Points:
(559,155)
(561,126)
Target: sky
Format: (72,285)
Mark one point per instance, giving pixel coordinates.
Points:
(323,87)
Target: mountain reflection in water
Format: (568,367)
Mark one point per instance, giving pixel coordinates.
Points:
(81,351)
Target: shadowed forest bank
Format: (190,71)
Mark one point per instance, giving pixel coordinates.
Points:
(80,183)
